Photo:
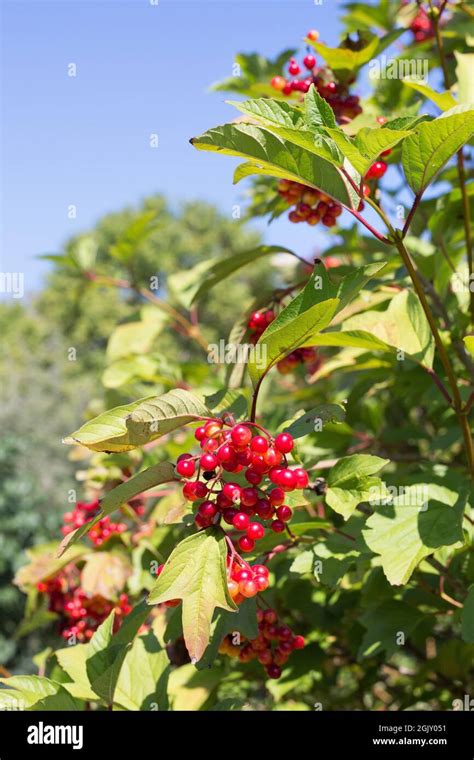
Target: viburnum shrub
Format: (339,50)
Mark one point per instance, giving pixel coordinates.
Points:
(265,530)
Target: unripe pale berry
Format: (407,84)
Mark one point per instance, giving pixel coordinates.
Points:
(278,83)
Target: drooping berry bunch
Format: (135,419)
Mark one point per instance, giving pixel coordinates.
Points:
(79,614)
(230,448)
(422,26)
(245,580)
(311,206)
(308,356)
(82,513)
(258,323)
(272,647)
(301,77)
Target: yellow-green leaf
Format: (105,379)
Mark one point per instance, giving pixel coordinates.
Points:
(196,573)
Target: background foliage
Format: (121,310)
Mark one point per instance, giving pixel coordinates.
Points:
(381,592)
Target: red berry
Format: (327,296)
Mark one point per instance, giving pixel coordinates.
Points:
(200,433)
(212,427)
(377,170)
(208,509)
(274,474)
(284,513)
(255,531)
(232,492)
(301,476)
(229,515)
(202,522)
(248,588)
(273,671)
(209,461)
(246,544)
(186,467)
(277,495)
(258,463)
(298,642)
(287,480)
(293,68)
(264,509)
(200,490)
(241,521)
(278,526)
(284,443)
(242,574)
(309,61)
(253,477)
(241,435)
(272,457)
(259,444)
(189,491)
(222,502)
(225,453)
(270,616)
(262,582)
(260,570)
(265,657)
(249,497)
(313,35)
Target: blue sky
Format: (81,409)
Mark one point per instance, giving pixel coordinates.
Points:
(141,69)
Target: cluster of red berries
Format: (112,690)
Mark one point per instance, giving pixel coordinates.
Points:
(258,323)
(245,580)
(311,206)
(82,513)
(345,106)
(80,615)
(422,26)
(308,356)
(227,447)
(272,647)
